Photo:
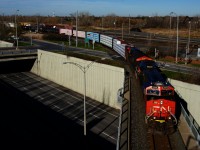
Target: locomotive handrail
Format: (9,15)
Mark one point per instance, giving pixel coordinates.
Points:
(174,118)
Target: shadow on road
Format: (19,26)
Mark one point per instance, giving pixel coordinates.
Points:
(28,124)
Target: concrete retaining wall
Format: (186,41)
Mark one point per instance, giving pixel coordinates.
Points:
(5,44)
(191,94)
(102,81)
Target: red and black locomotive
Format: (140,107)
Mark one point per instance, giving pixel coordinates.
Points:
(157,91)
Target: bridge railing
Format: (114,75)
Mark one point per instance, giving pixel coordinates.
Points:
(17,52)
(195,128)
(123,128)
(123,142)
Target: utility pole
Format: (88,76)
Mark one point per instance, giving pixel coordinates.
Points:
(129,23)
(122,30)
(188,44)
(16,28)
(177,40)
(176,33)
(37,25)
(77,28)
(102,24)
(115,26)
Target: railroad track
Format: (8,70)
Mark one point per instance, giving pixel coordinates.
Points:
(158,141)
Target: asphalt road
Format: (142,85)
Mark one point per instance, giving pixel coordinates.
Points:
(181,68)
(49,46)
(37,113)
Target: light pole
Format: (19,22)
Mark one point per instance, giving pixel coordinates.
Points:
(177,39)
(170,22)
(176,32)
(122,31)
(37,25)
(115,27)
(188,44)
(102,24)
(77,29)
(84,70)
(16,28)
(129,24)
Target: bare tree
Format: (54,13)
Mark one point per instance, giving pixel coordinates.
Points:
(85,19)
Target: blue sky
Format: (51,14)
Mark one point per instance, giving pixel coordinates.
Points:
(101,7)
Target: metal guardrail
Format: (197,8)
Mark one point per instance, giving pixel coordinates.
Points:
(11,55)
(17,52)
(123,141)
(123,129)
(195,128)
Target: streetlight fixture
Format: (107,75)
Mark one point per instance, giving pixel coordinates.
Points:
(16,28)
(84,70)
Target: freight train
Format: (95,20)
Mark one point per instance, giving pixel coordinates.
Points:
(157,91)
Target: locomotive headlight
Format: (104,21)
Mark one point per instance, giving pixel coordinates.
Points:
(169,118)
(161,102)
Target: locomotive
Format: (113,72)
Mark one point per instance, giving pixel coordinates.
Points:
(157,91)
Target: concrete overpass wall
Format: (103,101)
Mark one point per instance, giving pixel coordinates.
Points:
(5,44)
(102,81)
(191,94)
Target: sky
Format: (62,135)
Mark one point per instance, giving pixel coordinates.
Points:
(100,7)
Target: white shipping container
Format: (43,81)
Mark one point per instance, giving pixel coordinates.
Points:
(80,34)
(65,31)
(119,48)
(106,40)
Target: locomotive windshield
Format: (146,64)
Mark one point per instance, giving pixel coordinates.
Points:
(150,97)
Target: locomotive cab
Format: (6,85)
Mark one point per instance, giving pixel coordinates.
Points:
(160,104)
(160,108)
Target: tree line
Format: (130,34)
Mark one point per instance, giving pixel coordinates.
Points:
(110,21)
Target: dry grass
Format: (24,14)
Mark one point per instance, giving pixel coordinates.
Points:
(182,32)
(33,35)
